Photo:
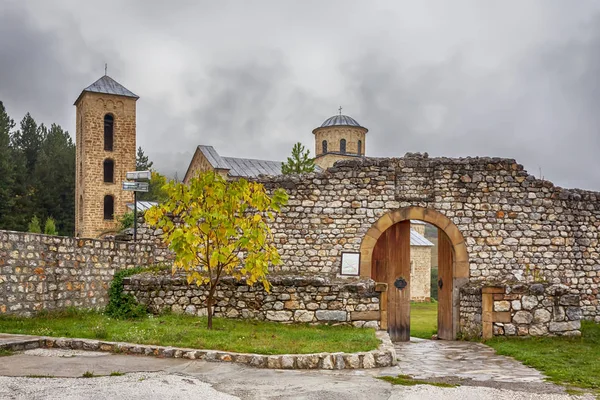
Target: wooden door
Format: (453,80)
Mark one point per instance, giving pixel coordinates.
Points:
(445,275)
(391,264)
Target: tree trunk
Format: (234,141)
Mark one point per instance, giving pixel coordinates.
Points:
(209,303)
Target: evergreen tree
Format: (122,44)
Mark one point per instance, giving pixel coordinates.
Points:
(55,179)
(299,162)
(29,139)
(141,161)
(7,174)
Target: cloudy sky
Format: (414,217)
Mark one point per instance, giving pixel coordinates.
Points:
(518,79)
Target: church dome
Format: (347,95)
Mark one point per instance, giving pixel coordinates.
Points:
(340,120)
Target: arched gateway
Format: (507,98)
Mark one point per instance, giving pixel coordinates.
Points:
(385,257)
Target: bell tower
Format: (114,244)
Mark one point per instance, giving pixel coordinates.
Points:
(106,146)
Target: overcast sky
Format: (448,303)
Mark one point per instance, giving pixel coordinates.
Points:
(518,79)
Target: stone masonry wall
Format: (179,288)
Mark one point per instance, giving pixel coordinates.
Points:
(41,272)
(420,273)
(515,226)
(292,299)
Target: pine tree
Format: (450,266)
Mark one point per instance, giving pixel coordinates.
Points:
(55,179)
(7,173)
(141,162)
(299,162)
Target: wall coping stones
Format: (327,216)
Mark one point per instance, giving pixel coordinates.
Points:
(383,356)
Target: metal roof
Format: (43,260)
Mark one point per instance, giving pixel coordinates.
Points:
(340,120)
(246,167)
(416,239)
(142,205)
(213,157)
(108,85)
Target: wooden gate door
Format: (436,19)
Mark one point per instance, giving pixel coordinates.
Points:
(391,264)
(445,278)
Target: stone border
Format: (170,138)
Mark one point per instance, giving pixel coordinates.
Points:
(383,356)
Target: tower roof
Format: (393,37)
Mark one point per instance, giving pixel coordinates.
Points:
(340,120)
(108,85)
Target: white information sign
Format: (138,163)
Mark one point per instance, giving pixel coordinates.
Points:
(350,263)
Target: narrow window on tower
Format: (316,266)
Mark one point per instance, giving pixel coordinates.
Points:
(109,207)
(359,147)
(109,171)
(343,146)
(80,208)
(324,144)
(108,132)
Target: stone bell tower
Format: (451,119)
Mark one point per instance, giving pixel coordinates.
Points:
(105,138)
(339,137)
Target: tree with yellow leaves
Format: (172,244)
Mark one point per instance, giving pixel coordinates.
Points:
(219,228)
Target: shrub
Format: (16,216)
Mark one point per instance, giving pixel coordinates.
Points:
(126,220)
(34,225)
(50,227)
(122,305)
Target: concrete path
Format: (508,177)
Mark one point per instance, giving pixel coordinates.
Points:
(149,377)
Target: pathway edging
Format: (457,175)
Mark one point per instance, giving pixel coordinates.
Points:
(383,356)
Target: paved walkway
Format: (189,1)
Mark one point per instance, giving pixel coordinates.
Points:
(434,359)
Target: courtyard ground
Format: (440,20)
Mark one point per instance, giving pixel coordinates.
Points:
(58,374)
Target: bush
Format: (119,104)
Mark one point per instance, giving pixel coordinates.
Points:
(50,227)
(34,225)
(122,305)
(126,220)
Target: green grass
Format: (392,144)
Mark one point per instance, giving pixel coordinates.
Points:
(406,380)
(6,352)
(423,320)
(117,373)
(88,374)
(566,361)
(188,331)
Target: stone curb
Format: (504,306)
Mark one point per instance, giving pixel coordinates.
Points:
(383,356)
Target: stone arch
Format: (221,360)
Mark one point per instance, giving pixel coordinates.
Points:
(460,261)
(461,267)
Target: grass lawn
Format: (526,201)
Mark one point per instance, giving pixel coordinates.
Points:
(567,361)
(188,331)
(423,320)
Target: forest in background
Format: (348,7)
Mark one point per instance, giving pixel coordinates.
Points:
(37,175)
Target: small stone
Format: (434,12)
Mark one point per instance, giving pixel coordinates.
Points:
(501,306)
(529,302)
(538,330)
(383,359)
(258,361)
(303,316)
(510,330)
(574,313)
(541,315)
(569,300)
(287,362)
(326,361)
(331,315)
(368,360)
(310,361)
(352,361)
(516,305)
(274,362)
(564,326)
(522,317)
(279,315)
(339,361)
(536,289)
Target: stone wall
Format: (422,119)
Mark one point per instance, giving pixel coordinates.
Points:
(515,226)
(41,272)
(517,309)
(292,299)
(420,273)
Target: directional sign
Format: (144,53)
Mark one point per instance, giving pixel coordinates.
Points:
(139,175)
(136,186)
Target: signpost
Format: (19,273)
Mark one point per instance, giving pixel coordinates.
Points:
(135,187)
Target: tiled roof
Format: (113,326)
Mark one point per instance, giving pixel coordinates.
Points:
(108,85)
(416,239)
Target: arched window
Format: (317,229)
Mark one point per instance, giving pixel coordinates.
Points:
(108,132)
(343,146)
(324,144)
(109,171)
(109,207)
(359,147)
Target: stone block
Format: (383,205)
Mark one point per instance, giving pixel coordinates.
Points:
(352,361)
(288,362)
(364,316)
(368,360)
(500,306)
(304,316)
(522,317)
(331,315)
(279,316)
(529,302)
(538,330)
(573,313)
(541,316)
(564,326)
(569,300)
(309,361)
(274,362)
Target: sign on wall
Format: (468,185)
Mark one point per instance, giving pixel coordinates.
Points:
(350,263)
